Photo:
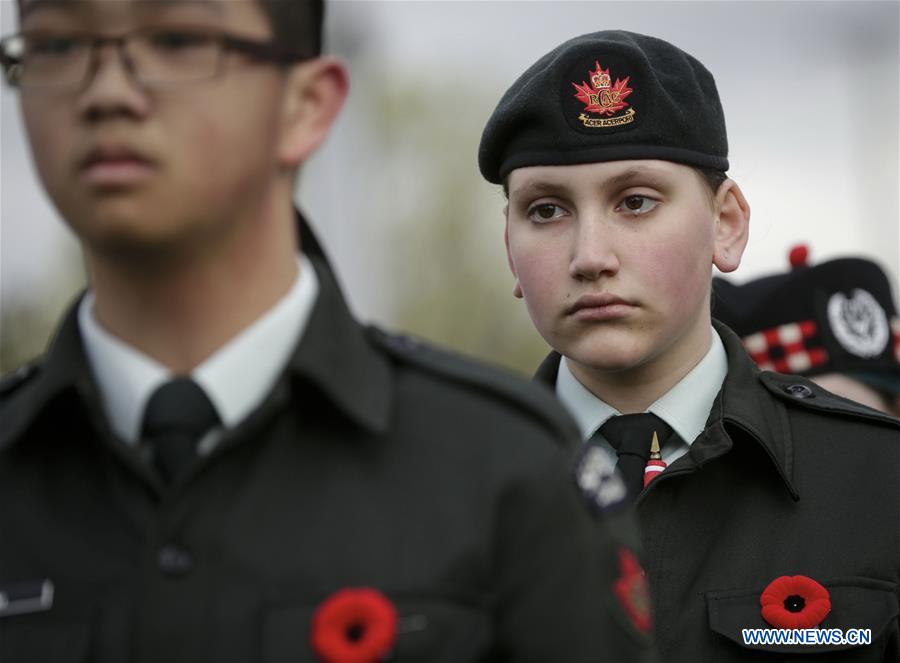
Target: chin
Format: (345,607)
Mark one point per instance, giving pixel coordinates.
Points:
(608,363)
(606,352)
(133,241)
(127,232)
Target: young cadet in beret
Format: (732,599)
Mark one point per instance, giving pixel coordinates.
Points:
(835,322)
(764,501)
(215,461)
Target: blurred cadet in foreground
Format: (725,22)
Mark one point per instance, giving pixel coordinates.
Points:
(835,322)
(215,461)
(764,501)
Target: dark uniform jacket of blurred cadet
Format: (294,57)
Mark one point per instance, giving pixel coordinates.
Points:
(376,461)
(785,479)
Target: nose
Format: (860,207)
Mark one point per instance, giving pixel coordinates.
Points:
(111,88)
(593,253)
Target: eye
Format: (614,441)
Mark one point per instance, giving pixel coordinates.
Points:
(637,205)
(544,212)
(177,40)
(53,45)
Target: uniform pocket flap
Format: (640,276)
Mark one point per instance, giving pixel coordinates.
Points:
(856,603)
(44,620)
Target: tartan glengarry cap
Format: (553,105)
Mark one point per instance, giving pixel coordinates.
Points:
(835,317)
(607,96)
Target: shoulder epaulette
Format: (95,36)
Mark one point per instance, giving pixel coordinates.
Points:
(19,377)
(531,399)
(805,393)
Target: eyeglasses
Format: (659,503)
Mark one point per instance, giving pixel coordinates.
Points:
(153,56)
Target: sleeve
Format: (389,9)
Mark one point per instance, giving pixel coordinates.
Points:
(567,589)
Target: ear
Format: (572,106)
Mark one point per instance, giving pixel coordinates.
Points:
(517,289)
(316,91)
(732,226)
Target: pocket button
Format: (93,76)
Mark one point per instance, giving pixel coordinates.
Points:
(174,560)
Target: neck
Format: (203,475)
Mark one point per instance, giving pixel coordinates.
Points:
(634,389)
(180,306)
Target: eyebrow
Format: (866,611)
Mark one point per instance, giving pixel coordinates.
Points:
(628,178)
(631,177)
(30,6)
(538,187)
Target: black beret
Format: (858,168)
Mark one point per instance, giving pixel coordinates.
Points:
(607,96)
(835,317)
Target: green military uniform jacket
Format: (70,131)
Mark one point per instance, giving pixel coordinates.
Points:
(786,479)
(375,462)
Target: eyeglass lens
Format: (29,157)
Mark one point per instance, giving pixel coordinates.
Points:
(154,56)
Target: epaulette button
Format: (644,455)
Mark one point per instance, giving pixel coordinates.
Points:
(402,342)
(799,391)
(24,371)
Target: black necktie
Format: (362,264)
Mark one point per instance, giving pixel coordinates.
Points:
(177,415)
(631,435)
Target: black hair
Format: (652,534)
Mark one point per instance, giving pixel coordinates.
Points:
(713,178)
(296,24)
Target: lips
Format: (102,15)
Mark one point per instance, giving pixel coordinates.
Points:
(115,165)
(599,306)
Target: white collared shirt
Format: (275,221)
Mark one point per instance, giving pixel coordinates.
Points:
(685,407)
(236,378)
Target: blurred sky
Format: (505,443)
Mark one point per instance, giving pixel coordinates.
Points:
(810,91)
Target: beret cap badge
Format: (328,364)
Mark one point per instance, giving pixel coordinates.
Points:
(602,97)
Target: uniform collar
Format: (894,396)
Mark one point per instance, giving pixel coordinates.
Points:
(240,375)
(338,358)
(334,354)
(589,412)
(64,372)
(548,370)
(236,378)
(743,409)
(685,407)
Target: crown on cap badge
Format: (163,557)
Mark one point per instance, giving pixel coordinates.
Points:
(604,98)
(601,79)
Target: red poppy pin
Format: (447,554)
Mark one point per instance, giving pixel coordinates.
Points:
(603,97)
(631,590)
(794,602)
(354,625)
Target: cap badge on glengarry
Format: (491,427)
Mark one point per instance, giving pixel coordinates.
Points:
(859,323)
(604,98)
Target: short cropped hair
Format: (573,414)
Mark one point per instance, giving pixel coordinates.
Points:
(296,24)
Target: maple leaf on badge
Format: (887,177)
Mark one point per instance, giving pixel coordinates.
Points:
(605,100)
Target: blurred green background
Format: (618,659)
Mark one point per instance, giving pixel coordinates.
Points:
(810,91)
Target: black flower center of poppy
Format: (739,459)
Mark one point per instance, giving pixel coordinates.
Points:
(794,603)
(355,631)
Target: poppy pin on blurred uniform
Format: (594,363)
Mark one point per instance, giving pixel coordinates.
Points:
(794,602)
(354,625)
(631,590)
